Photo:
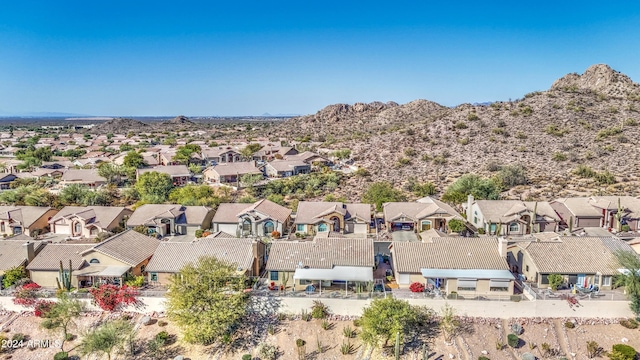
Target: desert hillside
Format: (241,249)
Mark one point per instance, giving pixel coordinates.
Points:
(591,119)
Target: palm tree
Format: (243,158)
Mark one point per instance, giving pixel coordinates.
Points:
(629,262)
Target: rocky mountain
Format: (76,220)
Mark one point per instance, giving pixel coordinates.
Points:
(180,120)
(120,125)
(590,119)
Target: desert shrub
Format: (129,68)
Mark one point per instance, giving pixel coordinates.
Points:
(247,357)
(460,125)
(555,280)
(326,325)
(622,352)
(162,336)
(584,171)
(62,355)
(348,332)
(593,349)
(483,358)
(513,340)
(416,287)
(517,329)
(319,310)
(472,117)
(528,356)
(558,156)
(605,133)
(268,351)
(555,130)
(346,348)
(18,337)
(162,323)
(630,122)
(569,325)
(512,175)
(357,322)
(305,315)
(629,323)
(605,178)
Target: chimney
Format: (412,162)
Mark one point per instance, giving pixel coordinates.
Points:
(470,201)
(502,246)
(29,251)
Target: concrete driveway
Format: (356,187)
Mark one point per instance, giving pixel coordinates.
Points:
(404,236)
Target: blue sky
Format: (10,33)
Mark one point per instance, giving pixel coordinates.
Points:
(251,57)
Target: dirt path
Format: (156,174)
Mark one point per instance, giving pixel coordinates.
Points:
(465,351)
(562,338)
(364,353)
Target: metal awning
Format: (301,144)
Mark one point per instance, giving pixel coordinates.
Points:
(103,271)
(499,283)
(467,273)
(337,273)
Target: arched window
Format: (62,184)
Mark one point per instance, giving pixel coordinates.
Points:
(77,228)
(514,227)
(322,227)
(426,225)
(94,261)
(246,226)
(268,227)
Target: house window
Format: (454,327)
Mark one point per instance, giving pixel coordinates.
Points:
(526,267)
(499,285)
(300,228)
(606,281)
(77,228)
(268,227)
(305,282)
(426,225)
(154,276)
(467,284)
(17,230)
(475,220)
(2,226)
(514,227)
(322,227)
(94,261)
(492,228)
(246,226)
(544,279)
(273,275)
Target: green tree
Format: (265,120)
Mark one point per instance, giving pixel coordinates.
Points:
(112,172)
(555,280)
(385,317)
(62,315)
(201,195)
(184,153)
(471,184)
(449,323)
(110,337)
(73,195)
(13,275)
(456,225)
(630,279)
(133,159)
(248,151)
(276,198)
(154,187)
(249,180)
(382,192)
(206,300)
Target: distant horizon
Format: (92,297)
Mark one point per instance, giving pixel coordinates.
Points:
(230,59)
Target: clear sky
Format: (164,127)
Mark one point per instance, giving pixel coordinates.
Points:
(250,57)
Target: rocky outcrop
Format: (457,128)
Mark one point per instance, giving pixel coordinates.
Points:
(601,79)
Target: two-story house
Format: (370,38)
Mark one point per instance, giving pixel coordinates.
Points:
(171,219)
(88,221)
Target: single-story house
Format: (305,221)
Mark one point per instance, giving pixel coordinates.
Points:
(87,177)
(6,180)
(261,218)
(286,168)
(419,216)
(315,217)
(89,221)
(323,262)
(310,158)
(249,256)
(28,220)
(180,174)
(580,260)
(171,219)
(470,267)
(230,173)
(128,252)
(269,152)
(220,154)
(599,211)
(514,216)
(45,267)
(16,253)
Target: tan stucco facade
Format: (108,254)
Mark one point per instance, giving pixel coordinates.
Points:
(48,278)
(450,285)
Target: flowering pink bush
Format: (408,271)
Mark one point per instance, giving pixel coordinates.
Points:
(111,297)
(42,307)
(26,295)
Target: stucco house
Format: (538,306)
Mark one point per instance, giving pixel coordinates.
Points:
(28,220)
(598,211)
(16,253)
(171,219)
(107,262)
(580,260)
(427,214)
(88,221)
(86,177)
(323,262)
(286,168)
(315,217)
(220,154)
(476,267)
(230,173)
(261,218)
(514,216)
(180,174)
(248,256)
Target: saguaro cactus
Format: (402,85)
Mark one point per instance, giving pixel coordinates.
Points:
(65,278)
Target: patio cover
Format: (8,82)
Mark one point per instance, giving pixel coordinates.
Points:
(338,273)
(466,273)
(103,271)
